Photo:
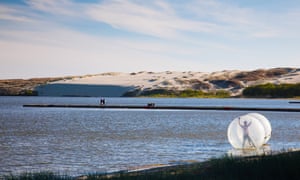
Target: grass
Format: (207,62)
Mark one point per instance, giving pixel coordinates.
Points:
(284,165)
(273,90)
(38,176)
(280,166)
(185,94)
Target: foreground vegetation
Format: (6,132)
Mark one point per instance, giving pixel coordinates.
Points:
(279,166)
(273,91)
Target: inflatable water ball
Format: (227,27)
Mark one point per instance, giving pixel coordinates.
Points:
(265,122)
(246,132)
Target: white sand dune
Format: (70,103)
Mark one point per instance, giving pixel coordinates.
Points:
(227,80)
(150,80)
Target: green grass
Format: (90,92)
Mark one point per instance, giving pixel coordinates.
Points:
(38,176)
(280,166)
(277,166)
(185,94)
(273,90)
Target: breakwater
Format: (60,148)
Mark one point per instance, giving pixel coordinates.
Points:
(152,106)
(294,102)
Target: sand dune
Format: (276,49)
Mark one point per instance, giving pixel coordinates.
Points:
(234,81)
(116,83)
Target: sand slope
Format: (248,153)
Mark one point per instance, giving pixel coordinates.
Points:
(234,81)
(115,84)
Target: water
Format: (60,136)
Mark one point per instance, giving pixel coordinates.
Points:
(80,141)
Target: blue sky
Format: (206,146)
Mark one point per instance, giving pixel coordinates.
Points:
(42,38)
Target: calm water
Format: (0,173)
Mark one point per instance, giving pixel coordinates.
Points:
(79,141)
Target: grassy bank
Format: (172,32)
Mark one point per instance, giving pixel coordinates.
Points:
(189,93)
(273,91)
(277,166)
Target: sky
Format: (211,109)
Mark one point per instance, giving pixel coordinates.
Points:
(50,38)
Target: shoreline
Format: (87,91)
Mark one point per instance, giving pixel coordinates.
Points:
(297,98)
(274,165)
(206,168)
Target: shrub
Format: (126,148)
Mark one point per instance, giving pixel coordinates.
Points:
(272,90)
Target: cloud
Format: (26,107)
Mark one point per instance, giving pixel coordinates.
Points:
(157,19)
(224,13)
(200,17)
(167,20)
(14,14)
(267,34)
(204,34)
(80,54)
(61,7)
(239,22)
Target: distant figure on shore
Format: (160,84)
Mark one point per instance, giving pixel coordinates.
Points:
(246,136)
(102,101)
(151,105)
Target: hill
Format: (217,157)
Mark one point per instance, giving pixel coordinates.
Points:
(116,84)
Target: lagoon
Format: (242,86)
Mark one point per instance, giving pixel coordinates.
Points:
(79,141)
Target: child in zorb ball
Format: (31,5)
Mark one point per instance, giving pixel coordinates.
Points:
(246,136)
(250,131)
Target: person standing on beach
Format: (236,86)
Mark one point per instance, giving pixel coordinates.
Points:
(246,136)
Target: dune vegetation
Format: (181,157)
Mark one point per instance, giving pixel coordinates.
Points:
(185,93)
(273,91)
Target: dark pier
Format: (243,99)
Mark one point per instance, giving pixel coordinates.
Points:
(294,102)
(221,108)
